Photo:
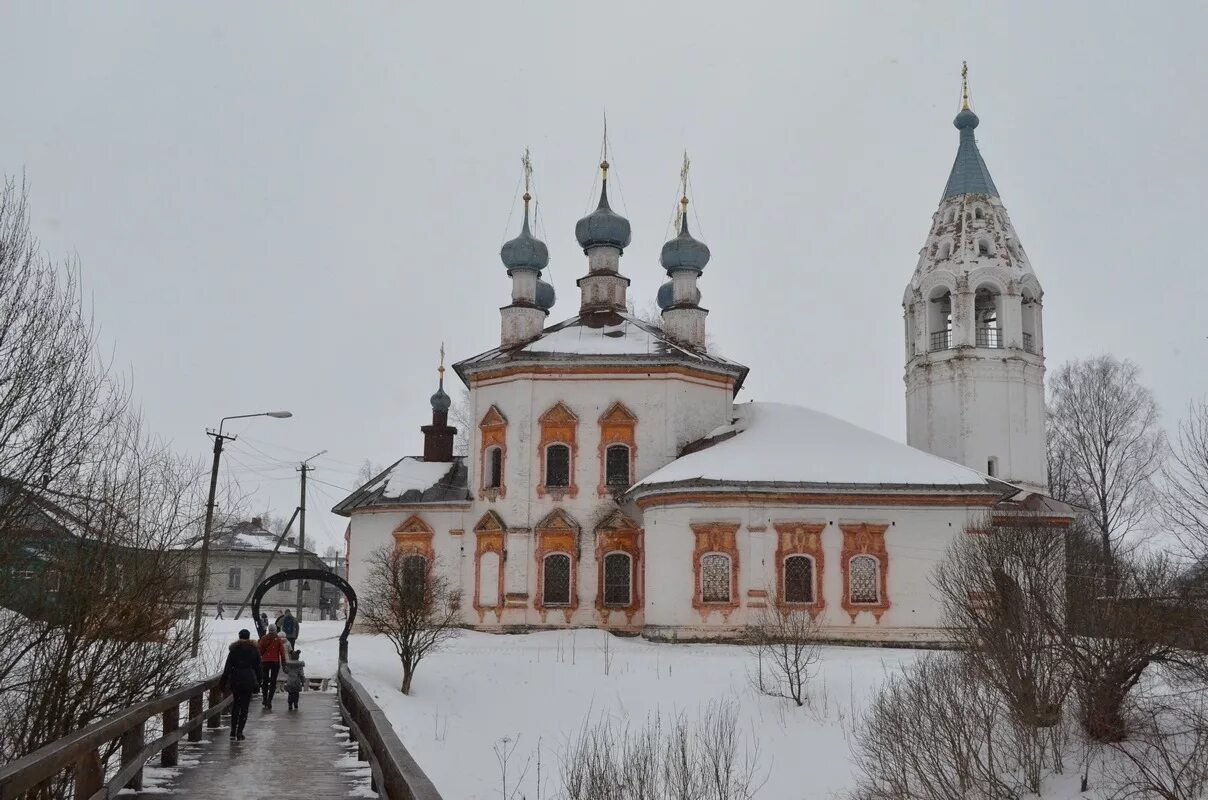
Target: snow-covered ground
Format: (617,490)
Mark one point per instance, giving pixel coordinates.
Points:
(537,690)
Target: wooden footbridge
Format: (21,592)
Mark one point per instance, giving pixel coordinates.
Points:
(306,753)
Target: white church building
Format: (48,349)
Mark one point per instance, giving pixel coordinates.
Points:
(613,480)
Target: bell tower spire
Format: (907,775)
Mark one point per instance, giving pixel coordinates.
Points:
(974,334)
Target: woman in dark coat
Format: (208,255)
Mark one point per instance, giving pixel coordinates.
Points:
(242,677)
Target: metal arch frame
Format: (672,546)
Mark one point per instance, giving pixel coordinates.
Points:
(306,575)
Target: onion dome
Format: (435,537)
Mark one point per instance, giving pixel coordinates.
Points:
(440,400)
(525,251)
(603,227)
(684,252)
(545,295)
(666,296)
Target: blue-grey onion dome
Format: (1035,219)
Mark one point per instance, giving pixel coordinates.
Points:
(525,251)
(545,295)
(603,226)
(440,400)
(684,252)
(666,295)
(966,119)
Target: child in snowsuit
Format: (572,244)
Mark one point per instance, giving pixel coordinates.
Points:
(295,678)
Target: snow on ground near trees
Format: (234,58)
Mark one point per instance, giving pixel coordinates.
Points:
(541,687)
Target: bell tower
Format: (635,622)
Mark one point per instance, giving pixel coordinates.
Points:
(974,333)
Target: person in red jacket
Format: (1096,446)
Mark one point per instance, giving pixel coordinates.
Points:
(272,653)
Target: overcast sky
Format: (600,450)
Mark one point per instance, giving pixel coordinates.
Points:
(291,205)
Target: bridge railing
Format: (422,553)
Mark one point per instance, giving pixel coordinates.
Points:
(80,753)
(396,776)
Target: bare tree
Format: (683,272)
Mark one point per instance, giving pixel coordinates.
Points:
(410,603)
(784,641)
(459,416)
(1105,444)
(1185,484)
(103,632)
(1002,588)
(1167,755)
(56,396)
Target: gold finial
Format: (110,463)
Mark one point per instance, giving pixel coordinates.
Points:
(964,86)
(682,211)
(528,179)
(441,368)
(604,149)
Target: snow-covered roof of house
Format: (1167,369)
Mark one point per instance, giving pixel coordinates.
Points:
(776,444)
(624,339)
(411,480)
(250,536)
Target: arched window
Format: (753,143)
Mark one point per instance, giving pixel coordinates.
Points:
(863,580)
(616,465)
(945,249)
(939,320)
(979,214)
(715,578)
(557,465)
(618,579)
(799,579)
(1030,315)
(986,308)
(984,248)
(413,573)
(494,468)
(555,582)
(992,466)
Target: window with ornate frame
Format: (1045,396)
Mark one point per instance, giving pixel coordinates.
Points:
(618,579)
(557,466)
(233,576)
(715,578)
(616,466)
(798,579)
(555,585)
(413,574)
(493,477)
(864,580)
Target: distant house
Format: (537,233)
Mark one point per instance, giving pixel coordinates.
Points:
(33,533)
(237,561)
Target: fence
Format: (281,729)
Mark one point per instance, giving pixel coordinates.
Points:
(80,753)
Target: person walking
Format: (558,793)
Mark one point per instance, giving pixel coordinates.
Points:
(241,677)
(289,627)
(272,653)
(295,678)
(219,614)
(263,620)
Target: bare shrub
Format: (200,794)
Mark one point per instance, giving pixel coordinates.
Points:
(784,641)
(1002,588)
(710,759)
(1167,754)
(939,732)
(1185,484)
(408,601)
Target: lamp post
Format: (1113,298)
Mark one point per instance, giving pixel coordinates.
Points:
(202,575)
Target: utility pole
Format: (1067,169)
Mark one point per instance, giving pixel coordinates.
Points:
(203,576)
(303,468)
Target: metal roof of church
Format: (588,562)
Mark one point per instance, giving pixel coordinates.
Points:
(969,173)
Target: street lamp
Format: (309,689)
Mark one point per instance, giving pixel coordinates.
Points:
(203,577)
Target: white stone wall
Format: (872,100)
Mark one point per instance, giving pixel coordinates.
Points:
(915,540)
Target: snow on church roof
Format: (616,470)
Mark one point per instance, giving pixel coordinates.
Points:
(629,337)
(411,480)
(787,444)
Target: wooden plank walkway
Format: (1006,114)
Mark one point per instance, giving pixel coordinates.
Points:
(287,755)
